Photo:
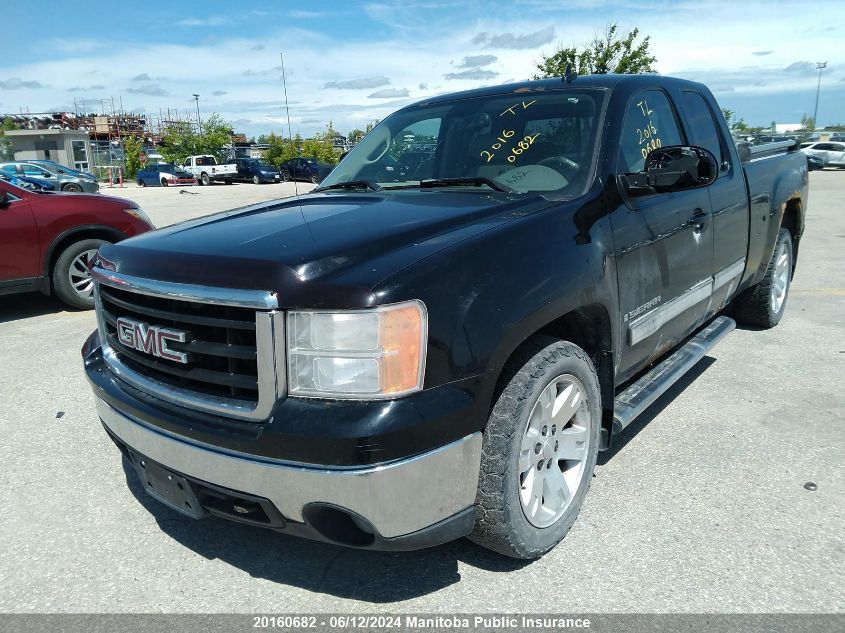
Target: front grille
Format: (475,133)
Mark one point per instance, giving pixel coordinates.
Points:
(222,346)
(234,348)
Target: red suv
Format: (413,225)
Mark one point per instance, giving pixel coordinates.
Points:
(47,239)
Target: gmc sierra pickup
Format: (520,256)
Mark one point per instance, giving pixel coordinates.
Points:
(429,348)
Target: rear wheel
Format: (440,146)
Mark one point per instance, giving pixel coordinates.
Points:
(141,183)
(71,280)
(763,304)
(539,450)
(204,179)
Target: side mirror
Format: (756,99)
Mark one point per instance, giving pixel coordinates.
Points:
(674,168)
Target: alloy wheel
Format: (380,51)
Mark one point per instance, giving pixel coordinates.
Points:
(79,276)
(554,450)
(780,278)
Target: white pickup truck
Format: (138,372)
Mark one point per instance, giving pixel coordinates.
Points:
(206,169)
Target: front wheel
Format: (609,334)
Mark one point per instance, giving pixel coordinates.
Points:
(285,176)
(256,180)
(72,188)
(164,182)
(314,178)
(763,304)
(539,450)
(71,280)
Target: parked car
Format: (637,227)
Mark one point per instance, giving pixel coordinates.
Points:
(309,169)
(48,239)
(257,171)
(27,182)
(814,162)
(163,174)
(63,169)
(64,181)
(388,363)
(206,169)
(833,154)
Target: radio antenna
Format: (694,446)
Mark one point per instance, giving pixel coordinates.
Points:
(287,112)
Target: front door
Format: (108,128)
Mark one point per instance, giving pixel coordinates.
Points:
(663,243)
(19,245)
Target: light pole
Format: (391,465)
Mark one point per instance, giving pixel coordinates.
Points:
(199,122)
(819,67)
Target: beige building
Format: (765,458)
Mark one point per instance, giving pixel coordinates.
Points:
(67,147)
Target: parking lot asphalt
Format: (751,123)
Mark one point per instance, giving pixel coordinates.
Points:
(702,505)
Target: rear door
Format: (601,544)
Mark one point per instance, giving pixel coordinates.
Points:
(663,243)
(20,252)
(728,197)
(837,154)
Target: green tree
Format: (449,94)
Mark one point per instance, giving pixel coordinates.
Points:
(6,146)
(179,140)
(728,114)
(808,123)
(609,52)
(355,136)
(281,149)
(741,125)
(132,149)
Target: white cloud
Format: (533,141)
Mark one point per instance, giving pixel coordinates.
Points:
(389,93)
(512,41)
(16,83)
(358,84)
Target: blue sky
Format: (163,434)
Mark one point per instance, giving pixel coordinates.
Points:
(353,62)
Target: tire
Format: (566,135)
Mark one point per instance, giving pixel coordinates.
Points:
(72,188)
(164,182)
(141,183)
(509,519)
(285,176)
(204,179)
(314,178)
(763,304)
(68,271)
(227,181)
(256,180)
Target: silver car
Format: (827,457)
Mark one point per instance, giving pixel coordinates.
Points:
(63,181)
(832,153)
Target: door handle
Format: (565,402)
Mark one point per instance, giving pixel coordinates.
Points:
(697,220)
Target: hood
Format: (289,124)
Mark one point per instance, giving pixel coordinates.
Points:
(323,249)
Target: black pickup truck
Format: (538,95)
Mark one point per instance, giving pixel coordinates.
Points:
(438,340)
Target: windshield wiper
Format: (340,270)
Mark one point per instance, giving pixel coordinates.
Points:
(467,181)
(352,184)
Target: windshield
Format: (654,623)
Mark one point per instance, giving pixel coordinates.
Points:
(531,142)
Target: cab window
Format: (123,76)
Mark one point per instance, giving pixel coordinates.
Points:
(650,123)
(702,127)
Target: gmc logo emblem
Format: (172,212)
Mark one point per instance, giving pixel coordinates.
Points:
(151,339)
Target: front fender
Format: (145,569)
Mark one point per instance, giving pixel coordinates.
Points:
(486,295)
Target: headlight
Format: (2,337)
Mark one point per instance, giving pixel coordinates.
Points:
(360,354)
(138,214)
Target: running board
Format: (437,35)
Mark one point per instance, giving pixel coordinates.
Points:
(649,387)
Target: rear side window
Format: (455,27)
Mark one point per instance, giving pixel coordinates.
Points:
(702,126)
(649,123)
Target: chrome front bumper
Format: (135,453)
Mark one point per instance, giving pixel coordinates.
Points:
(398,498)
